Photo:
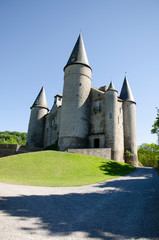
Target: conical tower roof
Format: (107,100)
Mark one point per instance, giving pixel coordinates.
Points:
(126,93)
(111,87)
(78,54)
(41,101)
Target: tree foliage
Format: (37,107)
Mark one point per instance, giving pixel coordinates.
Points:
(13,138)
(155,126)
(148,155)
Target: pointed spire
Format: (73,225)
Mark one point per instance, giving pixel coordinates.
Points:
(126,93)
(111,86)
(78,54)
(41,101)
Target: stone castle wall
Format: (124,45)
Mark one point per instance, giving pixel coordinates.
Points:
(12,149)
(97,152)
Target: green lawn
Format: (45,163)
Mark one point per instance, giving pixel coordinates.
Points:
(51,168)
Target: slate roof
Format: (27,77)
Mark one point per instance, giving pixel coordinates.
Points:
(78,54)
(41,101)
(126,93)
(111,86)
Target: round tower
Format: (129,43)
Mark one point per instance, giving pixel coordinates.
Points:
(111,122)
(129,122)
(39,109)
(74,119)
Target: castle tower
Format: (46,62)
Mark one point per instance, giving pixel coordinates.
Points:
(74,119)
(111,124)
(129,122)
(36,124)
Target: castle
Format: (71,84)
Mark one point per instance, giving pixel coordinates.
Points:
(86,117)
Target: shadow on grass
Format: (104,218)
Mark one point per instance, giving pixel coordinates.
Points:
(116,169)
(125,209)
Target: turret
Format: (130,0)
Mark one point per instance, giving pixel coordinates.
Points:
(129,122)
(74,119)
(111,126)
(39,109)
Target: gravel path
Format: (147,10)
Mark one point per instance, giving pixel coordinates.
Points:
(124,208)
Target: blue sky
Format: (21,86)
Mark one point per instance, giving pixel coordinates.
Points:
(36,40)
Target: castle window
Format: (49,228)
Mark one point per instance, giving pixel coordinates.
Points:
(97,106)
(96,143)
(110,115)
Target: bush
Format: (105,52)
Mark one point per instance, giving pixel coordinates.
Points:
(148,155)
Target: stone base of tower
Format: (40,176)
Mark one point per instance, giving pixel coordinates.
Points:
(133,160)
(65,143)
(118,156)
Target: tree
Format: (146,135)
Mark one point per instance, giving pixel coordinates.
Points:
(13,138)
(155,129)
(148,155)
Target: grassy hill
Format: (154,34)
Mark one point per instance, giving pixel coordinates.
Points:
(51,168)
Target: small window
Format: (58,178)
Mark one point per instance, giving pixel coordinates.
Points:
(96,143)
(110,115)
(97,106)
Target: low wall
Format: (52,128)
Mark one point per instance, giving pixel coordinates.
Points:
(12,149)
(8,149)
(97,152)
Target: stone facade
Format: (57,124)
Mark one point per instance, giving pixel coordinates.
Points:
(86,118)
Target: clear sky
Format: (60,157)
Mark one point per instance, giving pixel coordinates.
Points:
(36,40)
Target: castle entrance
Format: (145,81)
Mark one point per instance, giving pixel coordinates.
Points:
(96,143)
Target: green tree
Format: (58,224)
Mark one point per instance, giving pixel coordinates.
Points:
(13,138)
(155,126)
(148,155)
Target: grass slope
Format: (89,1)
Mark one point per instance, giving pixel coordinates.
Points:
(51,168)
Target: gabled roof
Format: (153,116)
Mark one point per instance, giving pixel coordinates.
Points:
(126,93)
(41,101)
(78,54)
